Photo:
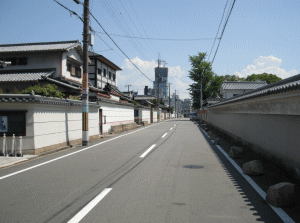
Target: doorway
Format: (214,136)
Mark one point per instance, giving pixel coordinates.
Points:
(100,122)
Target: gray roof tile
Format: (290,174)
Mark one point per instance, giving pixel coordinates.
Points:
(285,85)
(25,75)
(42,46)
(244,85)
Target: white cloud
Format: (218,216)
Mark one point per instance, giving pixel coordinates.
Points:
(131,76)
(269,65)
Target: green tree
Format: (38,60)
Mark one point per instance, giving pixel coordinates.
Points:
(171,109)
(228,77)
(210,81)
(154,101)
(269,78)
(48,90)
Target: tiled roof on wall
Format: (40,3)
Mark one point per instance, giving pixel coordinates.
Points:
(244,85)
(39,46)
(286,85)
(25,75)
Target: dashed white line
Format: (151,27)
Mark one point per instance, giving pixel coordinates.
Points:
(84,211)
(164,135)
(70,154)
(148,150)
(171,128)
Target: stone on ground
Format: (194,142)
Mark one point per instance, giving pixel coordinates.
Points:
(281,195)
(254,167)
(235,152)
(216,141)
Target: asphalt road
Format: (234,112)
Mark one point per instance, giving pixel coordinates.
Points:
(166,172)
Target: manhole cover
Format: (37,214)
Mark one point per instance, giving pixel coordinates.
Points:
(193,166)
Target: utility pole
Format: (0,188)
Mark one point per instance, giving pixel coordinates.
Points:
(169,99)
(175,103)
(128,87)
(85,88)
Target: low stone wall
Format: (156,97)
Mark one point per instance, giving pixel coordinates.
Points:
(144,123)
(125,127)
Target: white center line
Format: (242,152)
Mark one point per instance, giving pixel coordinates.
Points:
(171,128)
(164,135)
(148,150)
(84,211)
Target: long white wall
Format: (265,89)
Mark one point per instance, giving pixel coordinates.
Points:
(48,125)
(115,115)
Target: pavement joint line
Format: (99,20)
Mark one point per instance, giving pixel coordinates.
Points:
(147,151)
(164,135)
(281,213)
(70,154)
(84,211)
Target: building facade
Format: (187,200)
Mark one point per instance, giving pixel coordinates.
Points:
(161,76)
(102,71)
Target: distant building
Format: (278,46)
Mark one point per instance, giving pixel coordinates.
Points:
(186,107)
(162,72)
(233,88)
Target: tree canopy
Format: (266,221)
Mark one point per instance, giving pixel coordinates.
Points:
(269,78)
(210,81)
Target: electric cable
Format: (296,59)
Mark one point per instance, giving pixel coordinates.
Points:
(223,31)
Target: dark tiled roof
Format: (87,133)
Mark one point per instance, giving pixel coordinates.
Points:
(104,60)
(28,98)
(288,84)
(141,98)
(39,46)
(244,85)
(25,75)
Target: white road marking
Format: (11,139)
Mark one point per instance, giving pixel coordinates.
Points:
(84,211)
(70,154)
(281,213)
(148,150)
(171,128)
(164,135)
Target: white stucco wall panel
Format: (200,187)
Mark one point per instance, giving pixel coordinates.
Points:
(116,115)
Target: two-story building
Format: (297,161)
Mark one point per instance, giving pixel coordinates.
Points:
(42,62)
(102,71)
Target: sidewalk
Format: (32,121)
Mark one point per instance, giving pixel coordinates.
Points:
(6,161)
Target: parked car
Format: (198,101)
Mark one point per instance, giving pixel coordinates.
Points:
(193,116)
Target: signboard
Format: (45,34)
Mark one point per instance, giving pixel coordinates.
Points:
(13,122)
(3,124)
(85,83)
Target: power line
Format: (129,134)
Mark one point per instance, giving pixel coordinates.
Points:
(106,34)
(218,30)
(223,31)
(136,37)
(119,47)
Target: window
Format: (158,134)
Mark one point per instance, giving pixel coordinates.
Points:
(114,77)
(69,67)
(104,72)
(22,61)
(78,72)
(99,71)
(73,71)
(109,75)
(13,122)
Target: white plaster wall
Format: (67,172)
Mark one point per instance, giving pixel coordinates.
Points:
(146,115)
(116,115)
(38,60)
(154,116)
(75,55)
(59,124)
(47,125)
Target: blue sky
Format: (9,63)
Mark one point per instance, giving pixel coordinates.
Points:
(261,35)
